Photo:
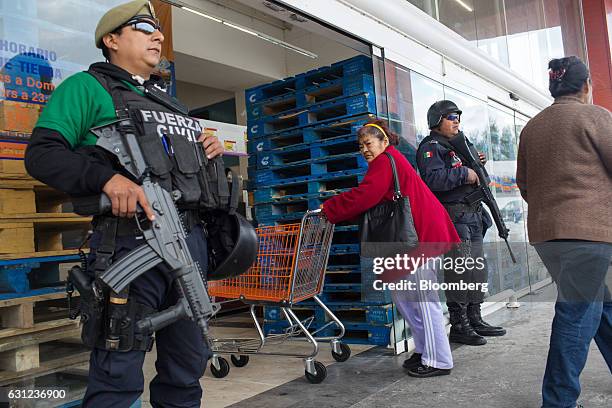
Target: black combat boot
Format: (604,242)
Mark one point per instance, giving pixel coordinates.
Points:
(461,331)
(480,326)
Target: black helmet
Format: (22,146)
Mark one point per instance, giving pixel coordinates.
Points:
(232,244)
(436,112)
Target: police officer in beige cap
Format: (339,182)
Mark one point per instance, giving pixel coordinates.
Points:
(62,154)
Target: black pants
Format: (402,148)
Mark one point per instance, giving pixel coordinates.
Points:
(116,379)
(469,226)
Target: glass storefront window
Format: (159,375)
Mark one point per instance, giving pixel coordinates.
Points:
(502,131)
(424,93)
(494,130)
(536,269)
(41,44)
(459,16)
(474,122)
(524,19)
(491,29)
(521,34)
(564,20)
(502,172)
(408,96)
(428,6)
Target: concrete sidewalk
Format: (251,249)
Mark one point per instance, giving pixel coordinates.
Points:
(507,372)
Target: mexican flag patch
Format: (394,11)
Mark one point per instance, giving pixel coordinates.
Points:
(427,155)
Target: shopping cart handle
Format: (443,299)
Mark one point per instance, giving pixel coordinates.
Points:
(318,210)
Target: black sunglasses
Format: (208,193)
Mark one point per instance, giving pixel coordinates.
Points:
(453,117)
(144,26)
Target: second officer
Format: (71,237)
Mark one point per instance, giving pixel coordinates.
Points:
(450,178)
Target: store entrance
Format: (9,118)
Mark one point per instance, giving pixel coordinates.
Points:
(224,52)
(298,90)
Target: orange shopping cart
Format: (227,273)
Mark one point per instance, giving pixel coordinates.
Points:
(290,268)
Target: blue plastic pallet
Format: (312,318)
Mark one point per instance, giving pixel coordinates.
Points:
(357,65)
(345,86)
(314,94)
(342,281)
(342,261)
(14,278)
(326,112)
(327,160)
(308,184)
(263,159)
(274,106)
(306,151)
(18,275)
(348,313)
(302,197)
(282,208)
(33,292)
(276,89)
(269,220)
(366,334)
(356,274)
(344,249)
(320,166)
(354,334)
(350,236)
(344,268)
(340,228)
(308,134)
(342,287)
(341,297)
(26,261)
(320,178)
(299,196)
(369,293)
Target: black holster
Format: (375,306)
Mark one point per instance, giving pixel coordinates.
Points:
(95,316)
(108,324)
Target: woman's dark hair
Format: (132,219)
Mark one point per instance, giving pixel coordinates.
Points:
(566,76)
(104,48)
(375,132)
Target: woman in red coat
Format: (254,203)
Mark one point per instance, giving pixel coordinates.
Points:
(421,308)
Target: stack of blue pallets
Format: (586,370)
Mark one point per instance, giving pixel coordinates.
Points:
(32,276)
(302,150)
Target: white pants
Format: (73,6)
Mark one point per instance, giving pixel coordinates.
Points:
(422,310)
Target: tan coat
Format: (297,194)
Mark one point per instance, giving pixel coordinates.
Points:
(564,172)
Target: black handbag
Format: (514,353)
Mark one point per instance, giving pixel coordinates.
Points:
(388,229)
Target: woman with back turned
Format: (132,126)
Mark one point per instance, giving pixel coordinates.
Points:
(564,172)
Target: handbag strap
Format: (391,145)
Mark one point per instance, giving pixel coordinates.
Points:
(397,193)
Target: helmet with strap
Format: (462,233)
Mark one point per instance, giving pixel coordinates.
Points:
(436,112)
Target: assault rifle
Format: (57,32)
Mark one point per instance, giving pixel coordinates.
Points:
(469,153)
(165,238)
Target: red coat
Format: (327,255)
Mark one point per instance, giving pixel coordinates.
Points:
(434,227)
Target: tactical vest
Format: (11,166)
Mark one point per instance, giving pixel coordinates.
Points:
(457,194)
(168,138)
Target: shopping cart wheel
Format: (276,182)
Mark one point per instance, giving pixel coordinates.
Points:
(223,370)
(239,361)
(319,376)
(345,353)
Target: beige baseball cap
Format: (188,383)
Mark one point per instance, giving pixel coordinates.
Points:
(121,14)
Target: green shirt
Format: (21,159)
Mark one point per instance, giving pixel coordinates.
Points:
(79,103)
